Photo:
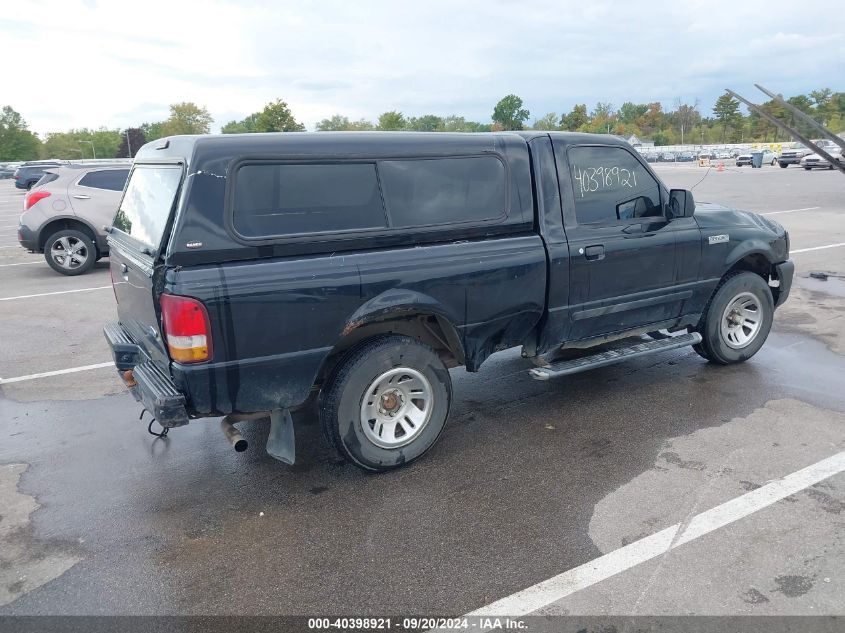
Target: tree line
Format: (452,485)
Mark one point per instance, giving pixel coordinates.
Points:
(684,123)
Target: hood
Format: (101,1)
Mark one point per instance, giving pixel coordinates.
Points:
(710,215)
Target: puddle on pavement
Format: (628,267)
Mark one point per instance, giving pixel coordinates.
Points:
(833,285)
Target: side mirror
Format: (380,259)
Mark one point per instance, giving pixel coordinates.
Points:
(681,204)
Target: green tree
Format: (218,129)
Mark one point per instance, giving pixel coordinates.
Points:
(245,126)
(510,114)
(391,121)
(277,117)
(131,141)
(82,143)
(576,119)
(661,138)
(425,123)
(16,141)
(685,117)
(727,113)
(187,118)
(548,122)
(630,112)
(153,131)
(340,123)
(455,123)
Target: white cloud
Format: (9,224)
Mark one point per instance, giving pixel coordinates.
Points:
(116,64)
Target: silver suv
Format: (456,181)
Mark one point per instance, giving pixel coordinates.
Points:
(66,211)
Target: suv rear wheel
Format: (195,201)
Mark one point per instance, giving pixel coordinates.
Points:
(737,320)
(70,252)
(386,402)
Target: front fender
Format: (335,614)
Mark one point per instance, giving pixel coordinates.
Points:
(750,247)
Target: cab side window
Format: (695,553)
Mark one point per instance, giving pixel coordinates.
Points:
(611,185)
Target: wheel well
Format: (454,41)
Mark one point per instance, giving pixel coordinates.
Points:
(65,223)
(430,329)
(757,263)
(754,263)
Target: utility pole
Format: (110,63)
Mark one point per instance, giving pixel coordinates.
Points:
(128,144)
(92,148)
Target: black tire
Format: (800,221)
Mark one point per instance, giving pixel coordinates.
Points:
(30,184)
(807,169)
(714,346)
(342,399)
(783,165)
(75,267)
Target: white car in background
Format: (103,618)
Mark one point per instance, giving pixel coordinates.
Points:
(769,157)
(816,161)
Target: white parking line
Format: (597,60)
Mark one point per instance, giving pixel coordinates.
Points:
(620,560)
(47,294)
(59,372)
(20,264)
(790,211)
(817,248)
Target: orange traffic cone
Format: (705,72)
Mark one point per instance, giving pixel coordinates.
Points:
(721,167)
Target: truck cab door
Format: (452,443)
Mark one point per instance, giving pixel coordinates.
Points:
(622,268)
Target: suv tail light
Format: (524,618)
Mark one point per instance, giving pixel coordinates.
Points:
(33,197)
(186,328)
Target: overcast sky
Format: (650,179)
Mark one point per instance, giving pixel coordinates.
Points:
(77,63)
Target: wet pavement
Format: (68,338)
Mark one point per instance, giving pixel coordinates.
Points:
(529,479)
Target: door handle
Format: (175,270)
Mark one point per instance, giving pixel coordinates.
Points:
(594,253)
(80,196)
(633,228)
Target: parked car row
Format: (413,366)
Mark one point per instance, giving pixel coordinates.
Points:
(688,156)
(7,170)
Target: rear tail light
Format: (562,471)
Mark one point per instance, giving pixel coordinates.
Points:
(186,328)
(34,196)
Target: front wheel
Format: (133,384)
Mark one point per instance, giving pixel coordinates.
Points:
(737,320)
(784,165)
(386,402)
(806,169)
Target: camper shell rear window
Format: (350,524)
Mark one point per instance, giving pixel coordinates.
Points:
(148,202)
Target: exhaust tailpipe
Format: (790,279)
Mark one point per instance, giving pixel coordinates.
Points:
(233,435)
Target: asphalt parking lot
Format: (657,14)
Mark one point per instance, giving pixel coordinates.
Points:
(663,486)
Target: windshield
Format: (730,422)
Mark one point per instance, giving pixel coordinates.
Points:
(147,203)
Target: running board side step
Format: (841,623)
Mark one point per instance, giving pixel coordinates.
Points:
(566,367)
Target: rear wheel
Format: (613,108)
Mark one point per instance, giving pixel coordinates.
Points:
(784,165)
(737,319)
(386,402)
(70,252)
(807,169)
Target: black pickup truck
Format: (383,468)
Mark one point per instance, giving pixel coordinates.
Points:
(254,271)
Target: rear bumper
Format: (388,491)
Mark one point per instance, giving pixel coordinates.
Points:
(147,380)
(27,238)
(785,272)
